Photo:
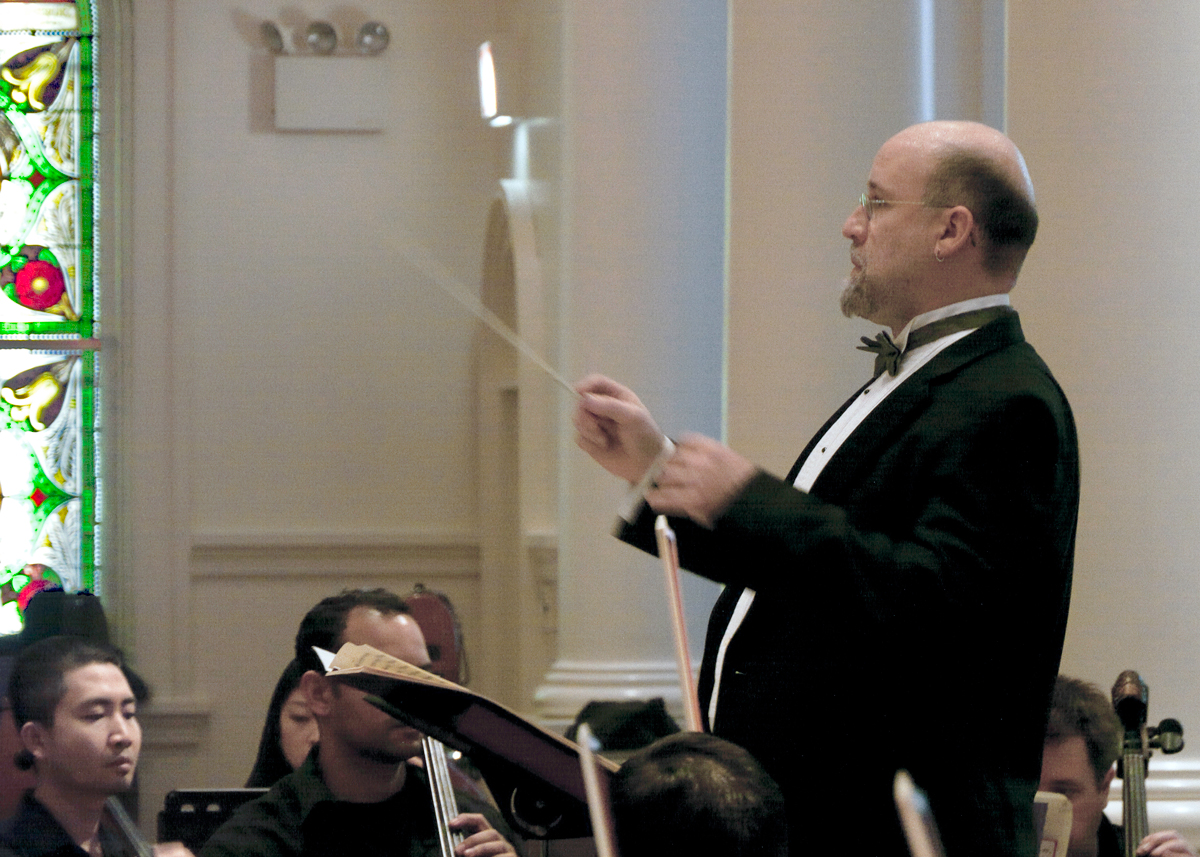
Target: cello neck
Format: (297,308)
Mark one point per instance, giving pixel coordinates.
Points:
(1133,795)
(117,821)
(445,806)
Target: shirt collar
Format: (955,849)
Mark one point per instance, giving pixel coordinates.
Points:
(948,311)
(308,784)
(43,834)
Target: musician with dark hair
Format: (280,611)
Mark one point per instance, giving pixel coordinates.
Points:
(695,793)
(288,732)
(357,792)
(76,713)
(1083,743)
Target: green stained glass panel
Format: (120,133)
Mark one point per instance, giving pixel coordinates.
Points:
(47,486)
(46,162)
(49,514)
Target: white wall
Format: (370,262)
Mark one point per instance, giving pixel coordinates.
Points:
(301,327)
(814,90)
(294,399)
(1107,121)
(643,298)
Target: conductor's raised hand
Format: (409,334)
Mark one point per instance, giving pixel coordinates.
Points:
(700,480)
(615,428)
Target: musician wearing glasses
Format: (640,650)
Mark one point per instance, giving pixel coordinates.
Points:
(910,577)
(357,793)
(77,716)
(1083,743)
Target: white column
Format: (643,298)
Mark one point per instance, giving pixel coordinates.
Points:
(643,301)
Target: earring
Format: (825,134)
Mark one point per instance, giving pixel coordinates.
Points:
(936,256)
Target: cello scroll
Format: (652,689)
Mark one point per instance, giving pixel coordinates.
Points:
(1130,697)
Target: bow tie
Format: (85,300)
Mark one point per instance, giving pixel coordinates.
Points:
(888,355)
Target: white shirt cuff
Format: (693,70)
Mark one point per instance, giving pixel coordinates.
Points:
(637,494)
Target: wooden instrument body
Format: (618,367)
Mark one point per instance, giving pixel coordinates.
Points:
(439,625)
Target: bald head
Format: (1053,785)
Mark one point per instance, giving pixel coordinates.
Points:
(967,237)
(946,137)
(971,164)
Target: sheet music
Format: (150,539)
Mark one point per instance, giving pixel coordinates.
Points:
(354,657)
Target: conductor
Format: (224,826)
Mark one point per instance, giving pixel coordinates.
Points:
(910,576)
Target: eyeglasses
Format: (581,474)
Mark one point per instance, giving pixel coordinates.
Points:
(869,205)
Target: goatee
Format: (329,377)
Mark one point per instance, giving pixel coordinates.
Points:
(855,300)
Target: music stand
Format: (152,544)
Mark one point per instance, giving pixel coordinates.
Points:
(191,816)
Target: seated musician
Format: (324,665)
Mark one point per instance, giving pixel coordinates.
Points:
(288,734)
(76,714)
(1083,743)
(695,793)
(356,793)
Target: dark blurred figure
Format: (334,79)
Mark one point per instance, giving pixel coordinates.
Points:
(694,793)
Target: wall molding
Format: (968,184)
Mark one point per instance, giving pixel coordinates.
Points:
(178,723)
(1172,796)
(277,555)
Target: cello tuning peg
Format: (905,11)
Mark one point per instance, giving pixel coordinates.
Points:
(1168,736)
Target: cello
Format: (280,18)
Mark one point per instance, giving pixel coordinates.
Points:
(116,820)
(1130,698)
(445,806)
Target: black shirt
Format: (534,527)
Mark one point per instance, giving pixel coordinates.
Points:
(1110,839)
(300,817)
(34,832)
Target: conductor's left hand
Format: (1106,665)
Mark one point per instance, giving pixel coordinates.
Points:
(700,480)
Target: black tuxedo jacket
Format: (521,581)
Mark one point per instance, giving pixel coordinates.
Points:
(909,610)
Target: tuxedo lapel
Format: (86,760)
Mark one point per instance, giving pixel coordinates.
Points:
(718,621)
(794,472)
(893,413)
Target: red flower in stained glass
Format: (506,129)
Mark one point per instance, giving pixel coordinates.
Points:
(36,584)
(39,285)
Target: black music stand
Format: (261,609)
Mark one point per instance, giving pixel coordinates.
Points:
(191,816)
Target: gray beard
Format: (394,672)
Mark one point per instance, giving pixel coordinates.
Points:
(857,300)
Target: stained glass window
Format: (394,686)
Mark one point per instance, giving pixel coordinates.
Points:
(49,312)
